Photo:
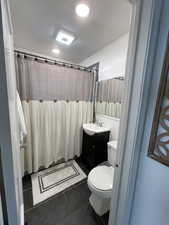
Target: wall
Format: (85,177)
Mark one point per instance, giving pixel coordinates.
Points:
(110,122)
(112,58)
(151,200)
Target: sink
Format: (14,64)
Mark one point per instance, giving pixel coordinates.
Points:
(92,128)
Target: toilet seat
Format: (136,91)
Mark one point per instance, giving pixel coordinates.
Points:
(100,180)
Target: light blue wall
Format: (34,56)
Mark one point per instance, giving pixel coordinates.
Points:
(151,199)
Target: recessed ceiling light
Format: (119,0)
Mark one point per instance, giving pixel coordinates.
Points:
(82,10)
(64,37)
(56,51)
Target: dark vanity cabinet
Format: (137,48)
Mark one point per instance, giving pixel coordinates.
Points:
(94,148)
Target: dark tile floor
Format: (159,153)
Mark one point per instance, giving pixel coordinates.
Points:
(70,207)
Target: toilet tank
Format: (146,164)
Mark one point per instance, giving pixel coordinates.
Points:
(112,150)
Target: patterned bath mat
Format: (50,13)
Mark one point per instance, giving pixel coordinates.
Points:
(55,179)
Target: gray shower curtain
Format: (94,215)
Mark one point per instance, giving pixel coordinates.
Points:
(37,80)
(110,90)
(56,101)
(110,97)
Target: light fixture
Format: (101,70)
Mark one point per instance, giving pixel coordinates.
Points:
(82,10)
(56,51)
(64,37)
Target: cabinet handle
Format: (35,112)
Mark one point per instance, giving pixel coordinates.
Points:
(117,165)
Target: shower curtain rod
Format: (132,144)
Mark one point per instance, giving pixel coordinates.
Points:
(55,62)
(56,100)
(119,78)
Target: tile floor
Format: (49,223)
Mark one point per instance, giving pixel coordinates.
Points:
(70,207)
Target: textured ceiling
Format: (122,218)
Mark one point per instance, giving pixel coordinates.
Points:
(36,23)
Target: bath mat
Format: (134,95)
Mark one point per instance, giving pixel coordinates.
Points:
(54,180)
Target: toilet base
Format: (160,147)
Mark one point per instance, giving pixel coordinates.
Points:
(100,205)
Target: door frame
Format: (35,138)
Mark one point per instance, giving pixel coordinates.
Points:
(142,47)
(10,183)
(3,204)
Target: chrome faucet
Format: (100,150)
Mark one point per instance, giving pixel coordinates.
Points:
(99,123)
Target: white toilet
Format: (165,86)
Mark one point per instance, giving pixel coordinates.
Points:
(100,182)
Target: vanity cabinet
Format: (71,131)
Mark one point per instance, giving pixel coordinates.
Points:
(94,148)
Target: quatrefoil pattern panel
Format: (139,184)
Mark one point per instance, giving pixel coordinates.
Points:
(159,142)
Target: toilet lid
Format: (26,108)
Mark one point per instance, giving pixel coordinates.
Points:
(101,177)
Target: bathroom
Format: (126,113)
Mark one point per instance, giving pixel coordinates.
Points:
(70,60)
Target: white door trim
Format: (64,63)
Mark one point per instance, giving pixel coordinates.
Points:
(142,46)
(125,110)
(9,133)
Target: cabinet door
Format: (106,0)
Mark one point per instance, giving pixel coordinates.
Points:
(94,149)
(101,147)
(88,143)
(88,150)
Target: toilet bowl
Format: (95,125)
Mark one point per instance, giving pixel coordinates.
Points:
(100,182)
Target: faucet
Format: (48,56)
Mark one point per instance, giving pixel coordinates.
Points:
(99,123)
